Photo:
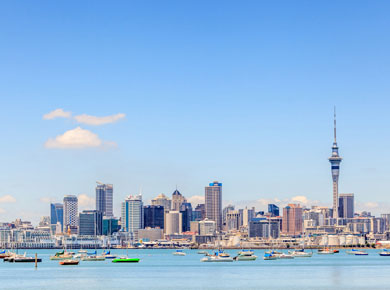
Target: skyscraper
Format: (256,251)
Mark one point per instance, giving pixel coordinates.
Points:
(186,212)
(70,212)
(90,223)
(57,214)
(292,220)
(273,209)
(346,205)
(213,203)
(335,161)
(154,216)
(104,199)
(161,199)
(132,213)
(173,223)
(177,200)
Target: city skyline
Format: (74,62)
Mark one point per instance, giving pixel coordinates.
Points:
(180,94)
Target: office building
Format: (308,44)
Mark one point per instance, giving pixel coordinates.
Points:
(173,223)
(335,161)
(233,220)
(207,227)
(273,209)
(346,205)
(177,200)
(110,226)
(199,213)
(213,203)
(104,199)
(154,216)
(225,211)
(263,228)
(162,200)
(90,223)
(186,212)
(57,214)
(292,220)
(132,214)
(70,213)
(247,215)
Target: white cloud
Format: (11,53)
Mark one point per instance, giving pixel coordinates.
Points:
(96,121)
(195,200)
(86,202)
(76,139)
(7,199)
(371,205)
(45,199)
(2,210)
(57,113)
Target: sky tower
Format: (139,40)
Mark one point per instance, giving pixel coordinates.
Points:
(335,161)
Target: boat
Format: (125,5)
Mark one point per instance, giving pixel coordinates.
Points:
(352,252)
(69,262)
(300,254)
(178,253)
(384,253)
(125,260)
(361,253)
(246,252)
(203,253)
(284,256)
(245,256)
(108,255)
(61,256)
(92,258)
(219,256)
(268,256)
(325,252)
(82,251)
(23,259)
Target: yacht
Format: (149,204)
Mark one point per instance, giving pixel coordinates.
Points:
(270,257)
(326,252)
(219,256)
(69,262)
(384,253)
(361,253)
(179,253)
(245,256)
(300,254)
(93,258)
(125,260)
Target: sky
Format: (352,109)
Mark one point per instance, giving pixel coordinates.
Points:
(154,95)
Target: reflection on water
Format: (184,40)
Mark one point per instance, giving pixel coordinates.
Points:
(159,269)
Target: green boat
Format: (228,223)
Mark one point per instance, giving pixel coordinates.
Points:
(126,260)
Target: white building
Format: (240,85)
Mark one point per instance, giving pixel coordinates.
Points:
(132,213)
(70,211)
(207,227)
(173,223)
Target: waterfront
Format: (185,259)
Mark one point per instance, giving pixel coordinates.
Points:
(159,269)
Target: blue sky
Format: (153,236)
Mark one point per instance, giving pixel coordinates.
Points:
(236,91)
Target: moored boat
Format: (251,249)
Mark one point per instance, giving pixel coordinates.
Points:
(384,253)
(93,258)
(69,262)
(301,254)
(126,260)
(179,253)
(268,256)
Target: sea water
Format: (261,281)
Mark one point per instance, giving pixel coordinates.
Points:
(159,269)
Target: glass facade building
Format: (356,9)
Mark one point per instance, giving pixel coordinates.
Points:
(104,199)
(57,214)
(213,203)
(90,223)
(154,216)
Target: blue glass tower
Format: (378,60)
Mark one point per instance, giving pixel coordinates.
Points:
(335,161)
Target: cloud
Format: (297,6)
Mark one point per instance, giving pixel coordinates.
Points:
(86,201)
(58,113)
(195,200)
(77,138)
(7,199)
(2,210)
(96,121)
(45,199)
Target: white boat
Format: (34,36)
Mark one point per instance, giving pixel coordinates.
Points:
(93,258)
(245,256)
(203,253)
(325,252)
(361,253)
(384,253)
(284,256)
(246,252)
(82,251)
(300,254)
(270,257)
(178,253)
(219,256)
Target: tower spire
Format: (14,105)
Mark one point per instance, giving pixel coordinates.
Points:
(335,141)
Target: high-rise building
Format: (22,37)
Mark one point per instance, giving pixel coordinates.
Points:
(173,223)
(104,199)
(177,200)
(154,216)
(199,213)
(233,220)
(292,220)
(57,214)
(247,215)
(263,228)
(273,209)
(346,205)
(207,227)
(335,161)
(132,214)
(90,223)
(110,226)
(70,212)
(213,203)
(186,212)
(225,211)
(162,200)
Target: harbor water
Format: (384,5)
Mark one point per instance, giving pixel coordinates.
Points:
(159,269)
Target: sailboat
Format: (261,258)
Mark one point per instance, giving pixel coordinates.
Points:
(126,259)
